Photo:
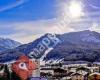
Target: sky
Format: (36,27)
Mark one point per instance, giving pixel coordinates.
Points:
(26,20)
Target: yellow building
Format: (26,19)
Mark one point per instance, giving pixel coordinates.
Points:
(94,76)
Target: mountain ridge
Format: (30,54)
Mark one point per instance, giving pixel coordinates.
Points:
(74,46)
(6,43)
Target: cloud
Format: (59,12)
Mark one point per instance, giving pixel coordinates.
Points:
(95,27)
(95,7)
(28,31)
(13,5)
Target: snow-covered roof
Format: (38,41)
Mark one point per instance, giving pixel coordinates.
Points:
(95,73)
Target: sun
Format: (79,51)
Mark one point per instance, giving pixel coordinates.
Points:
(75,9)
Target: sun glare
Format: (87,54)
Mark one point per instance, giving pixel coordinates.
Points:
(75,9)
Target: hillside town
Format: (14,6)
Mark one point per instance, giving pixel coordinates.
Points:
(26,69)
(61,71)
(49,39)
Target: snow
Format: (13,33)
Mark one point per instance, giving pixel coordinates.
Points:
(90,38)
(94,73)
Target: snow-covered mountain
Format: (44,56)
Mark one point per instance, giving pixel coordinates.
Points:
(86,39)
(77,46)
(13,54)
(6,44)
(83,46)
